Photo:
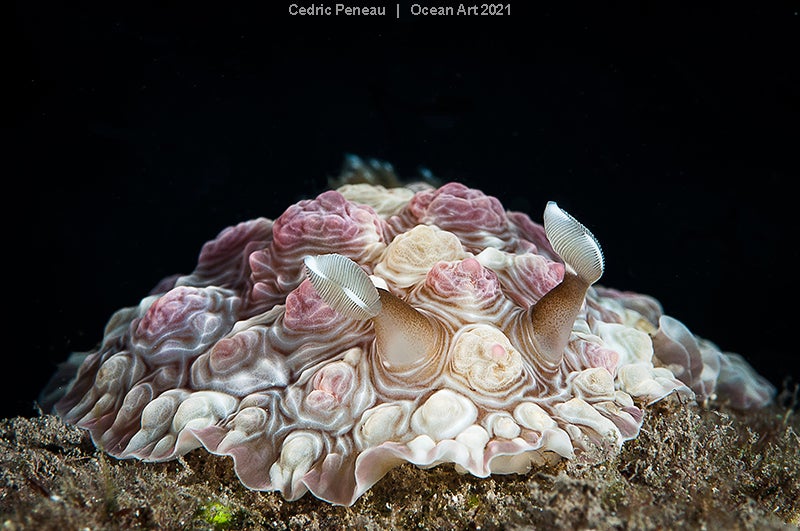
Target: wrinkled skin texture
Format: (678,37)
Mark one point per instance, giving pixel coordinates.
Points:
(244,358)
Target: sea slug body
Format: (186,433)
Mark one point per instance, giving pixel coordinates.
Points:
(371,326)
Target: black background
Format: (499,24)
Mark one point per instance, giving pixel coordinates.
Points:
(139,133)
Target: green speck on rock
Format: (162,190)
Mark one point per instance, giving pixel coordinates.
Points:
(473,501)
(218,515)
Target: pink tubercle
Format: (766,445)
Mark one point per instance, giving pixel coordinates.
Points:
(498,352)
(463,278)
(328,221)
(171,312)
(224,261)
(599,356)
(330,386)
(230,244)
(321,400)
(305,310)
(336,379)
(530,278)
(461,210)
(229,353)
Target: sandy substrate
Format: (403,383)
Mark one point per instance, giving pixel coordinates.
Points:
(692,467)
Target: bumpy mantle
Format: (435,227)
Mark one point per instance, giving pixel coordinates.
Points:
(370,326)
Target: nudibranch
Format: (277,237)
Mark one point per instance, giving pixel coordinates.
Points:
(373,326)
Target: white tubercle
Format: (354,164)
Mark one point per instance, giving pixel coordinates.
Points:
(444,415)
(300,450)
(533,417)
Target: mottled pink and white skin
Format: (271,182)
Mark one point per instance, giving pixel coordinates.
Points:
(244,358)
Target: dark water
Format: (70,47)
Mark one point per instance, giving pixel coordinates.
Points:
(140,134)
